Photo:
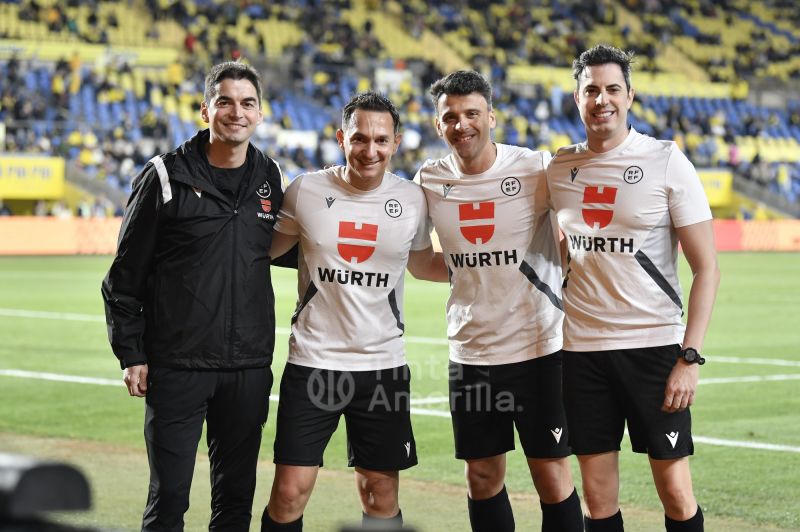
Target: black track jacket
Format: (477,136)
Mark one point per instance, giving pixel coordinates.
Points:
(190,285)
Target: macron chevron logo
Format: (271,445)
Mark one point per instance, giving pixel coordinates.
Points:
(407,445)
(557,432)
(673,438)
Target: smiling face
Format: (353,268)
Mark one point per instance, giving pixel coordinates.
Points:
(368,143)
(233,113)
(603,101)
(465,122)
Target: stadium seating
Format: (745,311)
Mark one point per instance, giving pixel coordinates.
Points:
(110,112)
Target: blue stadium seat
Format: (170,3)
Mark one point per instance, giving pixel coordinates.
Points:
(45,81)
(135,134)
(131,108)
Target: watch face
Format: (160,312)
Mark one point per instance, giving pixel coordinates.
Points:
(691,356)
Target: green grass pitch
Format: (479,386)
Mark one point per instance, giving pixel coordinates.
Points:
(746,420)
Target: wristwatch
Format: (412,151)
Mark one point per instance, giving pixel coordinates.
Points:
(691,356)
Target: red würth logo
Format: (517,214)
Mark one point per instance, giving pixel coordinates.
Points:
(469,214)
(598,196)
(357,241)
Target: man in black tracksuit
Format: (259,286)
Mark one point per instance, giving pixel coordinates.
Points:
(190,307)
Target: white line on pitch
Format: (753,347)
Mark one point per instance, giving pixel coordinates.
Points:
(746,444)
(749,378)
(71,378)
(118,383)
(20,313)
(428,412)
(70,316)
(754,360)
(43,376)
(429,400)
(419,401)
(418,411)
(58,377)
(37,314)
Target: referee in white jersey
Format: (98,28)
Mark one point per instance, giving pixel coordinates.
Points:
(358,226)
(624,201)
(488,203)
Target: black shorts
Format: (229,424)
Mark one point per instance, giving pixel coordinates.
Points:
(377,412)
(604,389)
(486,402)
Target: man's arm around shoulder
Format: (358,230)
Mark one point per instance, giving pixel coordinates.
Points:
(282,244)
(428,265)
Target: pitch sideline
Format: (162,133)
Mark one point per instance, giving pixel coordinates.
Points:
(418,411)
(70,316)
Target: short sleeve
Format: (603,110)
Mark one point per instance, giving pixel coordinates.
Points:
(287,216)
(422,237)
(281,176)
(418,176)
(542,198)
(687,199)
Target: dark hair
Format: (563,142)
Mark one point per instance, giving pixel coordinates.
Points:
(461,82)
(230,70)
(370,101)
(600,55)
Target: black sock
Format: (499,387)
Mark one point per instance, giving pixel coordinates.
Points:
(609,524)
(268,525)
(693,524)
(381,523)
(564,516)
(491,515)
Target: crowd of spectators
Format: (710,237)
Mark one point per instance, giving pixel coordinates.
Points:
(334,58)
(748,45)
(58,19)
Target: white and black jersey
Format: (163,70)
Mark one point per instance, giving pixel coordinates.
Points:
(354,248)
(618,211)
(499,240)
